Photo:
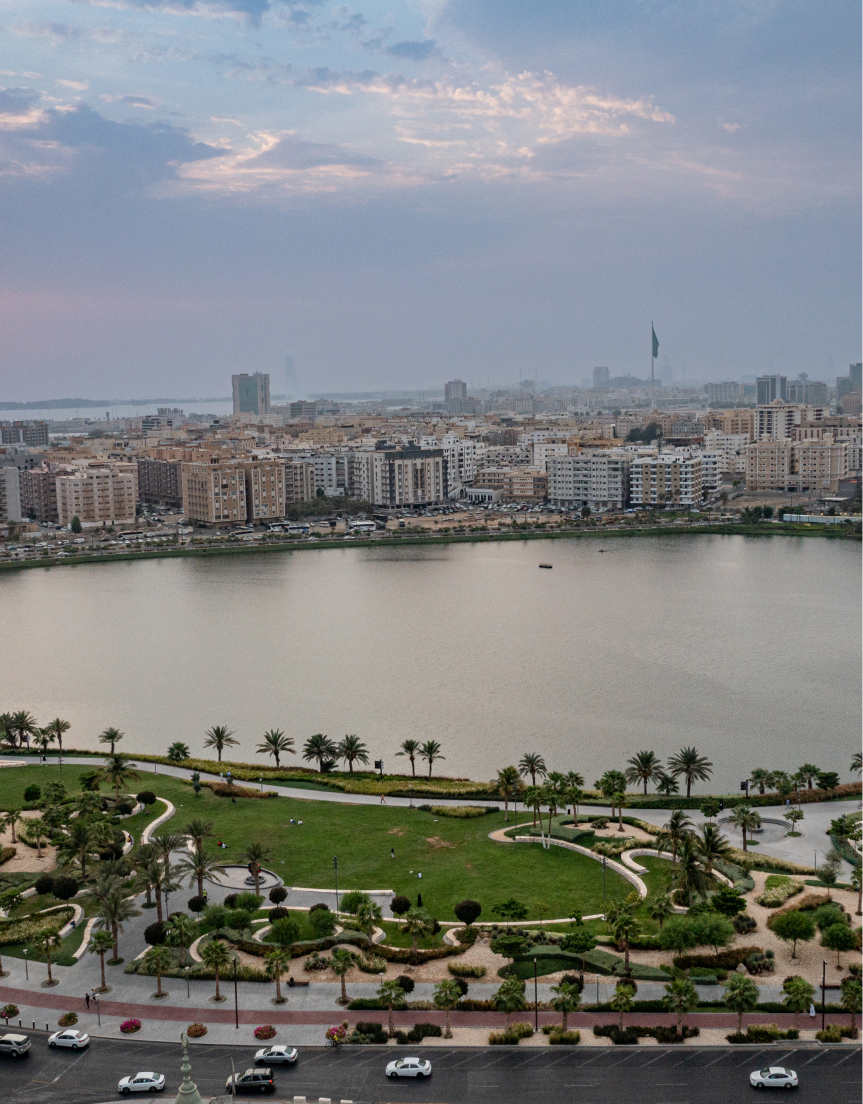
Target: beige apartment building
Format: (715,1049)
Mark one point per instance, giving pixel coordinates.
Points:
(214,494)
(796,465)
(300,481)
(265,490)
(100,494)
(731,421)
(668,478)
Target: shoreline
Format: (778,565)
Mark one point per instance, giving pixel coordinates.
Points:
(768,529)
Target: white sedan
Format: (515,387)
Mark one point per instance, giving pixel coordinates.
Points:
(410,1067)
(773,1077)
(284,1054)
(142,1082)
(69,1038)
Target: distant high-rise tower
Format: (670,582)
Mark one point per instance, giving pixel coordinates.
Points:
(251,393)
(600,379)
(455,389)
(770,388)
(856,374)
(291,384)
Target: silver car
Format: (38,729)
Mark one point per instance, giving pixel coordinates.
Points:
(277,1054)
(410,1067)
(16,1045)
(147,1082)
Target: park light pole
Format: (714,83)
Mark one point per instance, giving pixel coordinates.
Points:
(26,971)
(823,991)
(535,998)
(604,865)
(188,990)
(236,1002)
(336,868)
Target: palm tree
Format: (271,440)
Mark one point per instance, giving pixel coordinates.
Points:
(624,925)
(198,830)
(154,873)
(689,877)
(566,1000)
(857,886)
(118,772)
(430,751)
(220,737)
(6,728)
(390,993)
(38,832)
(181,931)
(533,764)
(46,943)
(797,996)
(410,748)
(666,784)
(677,829)
(507,787)
(256,855)
(100,943)
(691,766)
(215,955)
(509,998)
(113,912)
(660,908)
(808,773)
(78,844)
(201,866)
(10,820)
(741,995)
(447,994)
(534,798)
(852,998)
(341,963)
(619,799)
(111,736)
(353,750)
(416,923)
(276,743)
(744,818)
(623,999)
(762,779)
(368,914)
(680,997)
(159,960)
(44,739)
(57,728)
(22,726)
(276,962)
(178,752)
(319,748)
(857,762)
(713,845)
(642,767)
(574,792)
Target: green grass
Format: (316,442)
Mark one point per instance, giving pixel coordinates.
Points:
(397,938)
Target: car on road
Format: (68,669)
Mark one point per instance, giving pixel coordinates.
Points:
(69,1038)
(410,1067)
(773,1077)
(253,1080)
(280,1054)
(147,1082)
(16,1045)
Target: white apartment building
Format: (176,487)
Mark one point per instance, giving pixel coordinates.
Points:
(542,451)
(100,494)
(733,447)
(399,477)
(712,467)
(461,459)
(10,493)
(777,421)
(598,479)
(671,478)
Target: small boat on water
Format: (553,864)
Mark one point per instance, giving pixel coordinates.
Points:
(549,566)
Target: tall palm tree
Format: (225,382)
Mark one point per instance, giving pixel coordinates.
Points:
(256,854)
(391,993)
(319,748)
(446,995)
(159,960)
(666,784)
(276,743)
(276,962)
(430,751)
(643,767)
(555,787)
(761,778)
(118,772)
(857,762)
(681,997)
(113,912)
(201,866)
(507,787)
(410,748)
(78,843)
(533,764)
(746,819)
(198,830)
(368,914)
(353,750)
(566,1000)
(808,772)
(741,995)
(57,728)
(111,736)
(713,845)
(623,1000)
(677,828)
(341,963)
(534,798)
(625,925)
(100,943)
(38,832)
(6,731)
(154,873)
(797,995)
(220,737)
(416,923)
(9,821)
(692,766)
(660,908)
(215,955)
(47,942)
(44,739)
(181,931)
(689,878)
(22,726)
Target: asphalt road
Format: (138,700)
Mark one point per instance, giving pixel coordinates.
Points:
(606,1075)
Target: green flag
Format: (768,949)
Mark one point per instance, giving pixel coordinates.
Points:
(655,341)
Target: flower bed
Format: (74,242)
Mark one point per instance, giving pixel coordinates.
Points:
(129,1027)
(266,1031)
(337,1035)
(196,1030)
(9,1011)
(28,928)
(68,1019)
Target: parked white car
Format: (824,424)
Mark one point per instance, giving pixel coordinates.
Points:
(142,1082)
(69,1038)
(278,1054)
(410,1067)
(773,1077)
(16,1045)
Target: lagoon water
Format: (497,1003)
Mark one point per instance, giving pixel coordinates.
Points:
(750,649)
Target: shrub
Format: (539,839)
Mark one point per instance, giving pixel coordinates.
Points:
(421,1031)
(278,894)
(7,853)
(196,1030)
(317,962)
(407,983)
(9,1011)
(351,902)
(462,985)
(523,1030)
(154,934)
(196,904)
(44,885)
(760,962)
(284,932)
(564,1038)
(124,807)
(371,964)
(68,1019)
(599,822)
(128,1027)
(461,812)
(322,921)
(467,935)
(744,923)
(238,919)
(65,887)
(627,1037)
(231,900)
(400,905)
(278,913)
(147,797)
(466,970)
(728,901)
(825,916)
(725,960)
(266,1031)
(502,1038)
(777,895)
(32,793)
(250,902)
(835,1033)
(467,911)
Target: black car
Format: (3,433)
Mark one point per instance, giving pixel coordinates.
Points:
(253,1080)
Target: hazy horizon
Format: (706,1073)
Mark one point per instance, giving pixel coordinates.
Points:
(400,194)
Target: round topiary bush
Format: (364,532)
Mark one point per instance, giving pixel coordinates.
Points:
(196,904)
(249,902)
(196,1030)
(146,797)
(231,900)
(407,983)
(399,905)
(278,913)
(44,885)
(65,887)
(319,907)
(154,934)
(284,932)
(277,894)
(124,806)
(32,793)
(467,911)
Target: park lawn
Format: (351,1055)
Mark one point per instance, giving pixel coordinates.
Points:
(397,938)
(14,780)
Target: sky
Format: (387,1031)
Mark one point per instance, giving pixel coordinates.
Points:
(407,191)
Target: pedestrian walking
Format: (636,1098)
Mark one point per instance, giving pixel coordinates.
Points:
(87,999)
(383,799)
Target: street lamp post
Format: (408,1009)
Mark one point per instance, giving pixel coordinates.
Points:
(823,991)
(26,971)
(188,991)
(261,780)
(236,1000)
(336,868)
(604,865)
(98,1011)
(535,998)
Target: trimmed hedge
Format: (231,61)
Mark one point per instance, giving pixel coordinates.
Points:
(725,960)
(7,853)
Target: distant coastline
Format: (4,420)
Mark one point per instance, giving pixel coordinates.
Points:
(74,404)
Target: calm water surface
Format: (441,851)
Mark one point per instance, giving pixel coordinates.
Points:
(748,648)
